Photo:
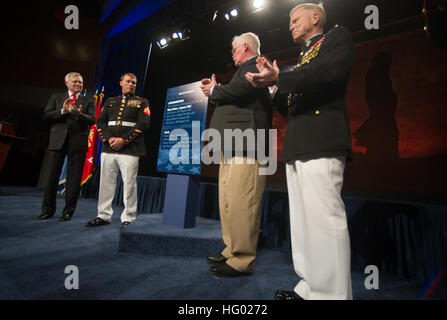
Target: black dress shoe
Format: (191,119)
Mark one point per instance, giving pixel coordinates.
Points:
(225,271)
(97,222)
(65,217)
(124,225)
(287,295)
(217,259)
(45,216)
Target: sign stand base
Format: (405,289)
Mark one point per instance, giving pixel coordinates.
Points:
(182,196)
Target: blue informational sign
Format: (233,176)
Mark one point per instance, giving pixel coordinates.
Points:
(184,120)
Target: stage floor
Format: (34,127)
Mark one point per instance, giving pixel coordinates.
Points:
(148,261)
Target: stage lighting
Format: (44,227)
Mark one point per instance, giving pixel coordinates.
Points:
(258,5)
(181,35)
(177,36)
(232,15)
(163,43)
(185,34)
(227,14)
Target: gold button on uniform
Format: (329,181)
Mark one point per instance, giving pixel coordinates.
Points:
(317,112)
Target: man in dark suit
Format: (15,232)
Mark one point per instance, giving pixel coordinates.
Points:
(316,146)
(71,115)
(239,106)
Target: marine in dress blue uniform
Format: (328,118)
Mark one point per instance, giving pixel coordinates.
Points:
(121,127)
(316,145)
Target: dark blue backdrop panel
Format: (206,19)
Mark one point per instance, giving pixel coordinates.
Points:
(125,56)
(150,194)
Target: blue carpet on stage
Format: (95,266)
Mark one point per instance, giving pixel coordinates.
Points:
(148,261)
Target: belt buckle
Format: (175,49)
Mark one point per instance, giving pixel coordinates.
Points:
(118,123)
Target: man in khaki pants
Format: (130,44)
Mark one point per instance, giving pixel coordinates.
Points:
(240,107)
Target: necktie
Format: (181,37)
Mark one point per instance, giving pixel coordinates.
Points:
(73,99)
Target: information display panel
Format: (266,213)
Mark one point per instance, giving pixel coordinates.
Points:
(184,120)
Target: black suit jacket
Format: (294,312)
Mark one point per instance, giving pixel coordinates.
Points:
(317,121)
(241,106)
(68,126)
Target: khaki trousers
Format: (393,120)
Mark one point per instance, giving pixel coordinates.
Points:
(240,194)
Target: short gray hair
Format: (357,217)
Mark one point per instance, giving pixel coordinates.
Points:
(319,7)
(251,39)
(70,75)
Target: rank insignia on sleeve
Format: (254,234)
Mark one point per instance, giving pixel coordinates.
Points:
(147,111)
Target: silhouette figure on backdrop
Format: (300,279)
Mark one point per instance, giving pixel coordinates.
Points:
(379,133)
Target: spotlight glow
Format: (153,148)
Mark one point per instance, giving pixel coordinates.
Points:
(258,4)
(163,43)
